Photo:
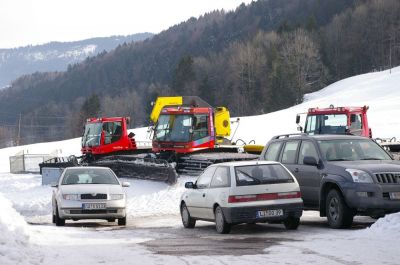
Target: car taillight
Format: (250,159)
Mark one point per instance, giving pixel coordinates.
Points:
(264,197)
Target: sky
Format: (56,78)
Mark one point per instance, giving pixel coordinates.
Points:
(31,22)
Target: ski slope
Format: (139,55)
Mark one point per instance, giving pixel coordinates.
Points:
(379,90)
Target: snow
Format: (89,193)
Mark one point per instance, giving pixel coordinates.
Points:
(377,90)
(15,245)
(29,237)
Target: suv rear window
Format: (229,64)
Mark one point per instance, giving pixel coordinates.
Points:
(261,174)
(272,151)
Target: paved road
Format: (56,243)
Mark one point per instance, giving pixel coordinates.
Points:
(243,240)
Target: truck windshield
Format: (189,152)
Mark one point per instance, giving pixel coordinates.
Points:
(351,150)
(174,128)
(326,124)
(92,134)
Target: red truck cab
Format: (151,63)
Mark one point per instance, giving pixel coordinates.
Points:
(337,120)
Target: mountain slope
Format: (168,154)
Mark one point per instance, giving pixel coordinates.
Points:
(55,56)
(378,90)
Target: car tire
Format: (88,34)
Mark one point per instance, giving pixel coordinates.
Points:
(57,219)
(122,221)
(187,220)
(292,223)
(338,213)
(221,225)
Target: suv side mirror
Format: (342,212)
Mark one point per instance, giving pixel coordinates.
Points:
(310,160)
(190,185)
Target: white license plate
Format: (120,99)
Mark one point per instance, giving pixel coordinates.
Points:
(394,195)
(269,213)
(93,206)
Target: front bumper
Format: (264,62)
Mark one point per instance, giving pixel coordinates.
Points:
(236,215)
(371,198)
(74,210)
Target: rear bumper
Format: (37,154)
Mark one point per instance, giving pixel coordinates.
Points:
(235,215)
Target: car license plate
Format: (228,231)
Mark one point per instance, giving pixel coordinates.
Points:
(93,206)
(394,195)
(269,213)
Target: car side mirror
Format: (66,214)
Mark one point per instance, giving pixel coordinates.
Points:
(131,135)
(190,185)
(126,184)
(311,161)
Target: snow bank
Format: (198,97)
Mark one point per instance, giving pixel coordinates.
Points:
(388,226)
(14,237)
(161,200)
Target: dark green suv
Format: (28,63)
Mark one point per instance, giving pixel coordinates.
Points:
(339,175)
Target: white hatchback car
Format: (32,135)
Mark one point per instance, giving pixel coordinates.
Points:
(89,193)
(243,192)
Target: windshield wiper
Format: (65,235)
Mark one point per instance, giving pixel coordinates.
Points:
(251,177)
(371,158)
(339,159)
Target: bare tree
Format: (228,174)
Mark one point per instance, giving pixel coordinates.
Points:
(301,56)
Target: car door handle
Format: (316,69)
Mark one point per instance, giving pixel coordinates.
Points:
(204,195)
(296,170)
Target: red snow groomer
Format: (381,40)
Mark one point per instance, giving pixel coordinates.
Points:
(336,120)
(188,136)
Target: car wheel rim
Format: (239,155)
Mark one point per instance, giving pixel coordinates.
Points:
(334,209)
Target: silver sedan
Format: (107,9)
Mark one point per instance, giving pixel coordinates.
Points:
(89,193)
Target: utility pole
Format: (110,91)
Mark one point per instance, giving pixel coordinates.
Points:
(19,129)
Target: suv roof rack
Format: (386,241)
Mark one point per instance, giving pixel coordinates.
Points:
(288,135)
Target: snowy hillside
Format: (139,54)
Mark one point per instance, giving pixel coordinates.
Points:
(55,56)
(379,90)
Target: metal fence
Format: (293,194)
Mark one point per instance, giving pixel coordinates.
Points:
(27,163)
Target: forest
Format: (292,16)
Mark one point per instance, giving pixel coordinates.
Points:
(260,58)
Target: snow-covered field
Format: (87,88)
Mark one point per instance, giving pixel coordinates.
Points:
(27,235)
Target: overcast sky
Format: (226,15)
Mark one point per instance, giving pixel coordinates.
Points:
(24,22)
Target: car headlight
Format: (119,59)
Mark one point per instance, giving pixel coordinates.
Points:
(360,176)
(71,197)
(116,196)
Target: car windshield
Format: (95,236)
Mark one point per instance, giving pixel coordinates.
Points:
(262,174)
(92,134)
(352,149)
(75,176)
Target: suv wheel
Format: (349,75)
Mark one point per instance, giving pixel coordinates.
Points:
(122,221)
(338,213)
(187,220)
(292,223)
(221,225)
